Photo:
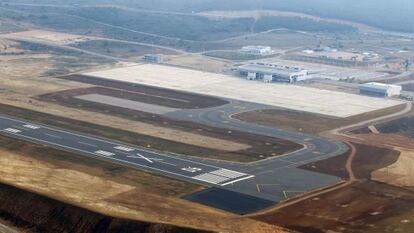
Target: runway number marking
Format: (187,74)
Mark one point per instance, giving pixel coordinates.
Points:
(191,169)
(11,130)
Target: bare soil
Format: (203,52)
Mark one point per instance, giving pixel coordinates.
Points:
(61,38)
(199,62)
(367,159)
(132,52)
(307,122)
(359,208)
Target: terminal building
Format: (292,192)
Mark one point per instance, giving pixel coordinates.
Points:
(273,73)
(257,50)
(380,89)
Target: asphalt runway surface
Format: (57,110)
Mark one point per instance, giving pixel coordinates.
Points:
(266,182)
(120,153)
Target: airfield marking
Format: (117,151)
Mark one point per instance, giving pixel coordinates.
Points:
(31,126)
(262,185)
(52,135)
(238,180)
(124,148)
(11,130)
(104,153)
(87,144)
(285,193)
(225,174)
(145,158)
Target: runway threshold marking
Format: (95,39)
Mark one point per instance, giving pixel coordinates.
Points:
(11,130)
(222,177)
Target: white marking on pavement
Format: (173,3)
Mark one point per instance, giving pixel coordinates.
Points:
(87,144)
(138,157)
(95,138)
(104,153)
(124,148)
(238,180)
(210,178)
(11,130)
(31,126)
(224,176)
(228,173)
(143,157)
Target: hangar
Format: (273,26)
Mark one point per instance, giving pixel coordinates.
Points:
(380,89)
(267,72)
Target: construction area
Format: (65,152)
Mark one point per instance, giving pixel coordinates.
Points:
(312,100)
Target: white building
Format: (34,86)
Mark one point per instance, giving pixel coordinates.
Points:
(257,50)
(380,89)
(273,73)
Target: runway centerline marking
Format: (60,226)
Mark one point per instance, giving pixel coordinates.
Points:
(52,135)
(138,157)
(28,126)
(87,144)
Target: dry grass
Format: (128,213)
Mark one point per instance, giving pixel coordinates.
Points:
(401,173)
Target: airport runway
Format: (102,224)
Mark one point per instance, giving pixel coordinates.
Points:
(120,153)
(238,187)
